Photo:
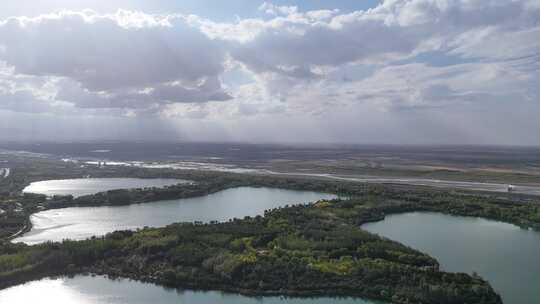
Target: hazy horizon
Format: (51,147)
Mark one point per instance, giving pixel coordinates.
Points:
(262,143)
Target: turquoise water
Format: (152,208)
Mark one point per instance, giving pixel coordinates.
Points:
(504,254)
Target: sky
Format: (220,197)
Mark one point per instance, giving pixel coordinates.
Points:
(362,72)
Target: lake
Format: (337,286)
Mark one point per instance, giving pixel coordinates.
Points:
(85,186)
(101,290)
(504,254)
(83,222)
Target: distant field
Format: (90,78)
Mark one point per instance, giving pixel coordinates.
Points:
(464,163)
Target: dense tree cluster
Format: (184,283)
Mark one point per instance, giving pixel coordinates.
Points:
(315,249)
(299,250)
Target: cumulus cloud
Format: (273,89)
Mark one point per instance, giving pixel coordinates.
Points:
(295,54)
(295,44)
(399,56)
(113,57)
(24,101)
(272,9)
(208,89)
(105,52)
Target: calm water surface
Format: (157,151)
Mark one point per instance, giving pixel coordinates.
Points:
(83,222)
(100,290)
(85,186)
(504,254)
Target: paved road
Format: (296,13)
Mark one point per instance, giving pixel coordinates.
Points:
(494,187)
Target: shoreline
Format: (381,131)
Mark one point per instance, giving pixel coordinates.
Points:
(159,276)
(202,189)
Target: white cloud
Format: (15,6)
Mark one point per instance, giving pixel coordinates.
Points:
(401,57)
(113,56)
(394,29)
(272,9)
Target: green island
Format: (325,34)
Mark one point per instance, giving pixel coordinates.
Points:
(302,250)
